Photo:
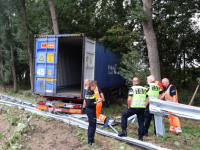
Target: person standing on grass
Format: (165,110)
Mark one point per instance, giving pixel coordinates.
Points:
(170,95)
(153,91)
(90,105)
(137,102)
(100,97)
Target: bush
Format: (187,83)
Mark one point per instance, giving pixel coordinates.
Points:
(27,94)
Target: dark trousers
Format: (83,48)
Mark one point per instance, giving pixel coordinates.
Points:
(140,115)
(91,113)
(148,118)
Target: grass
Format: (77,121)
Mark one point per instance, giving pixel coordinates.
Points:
(189,139)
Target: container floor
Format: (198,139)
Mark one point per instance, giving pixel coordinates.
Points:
(70,91)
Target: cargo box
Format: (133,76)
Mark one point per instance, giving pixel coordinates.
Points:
(62,63)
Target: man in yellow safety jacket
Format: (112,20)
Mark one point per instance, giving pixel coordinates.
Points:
(171,95)
(153,91)
(136,105)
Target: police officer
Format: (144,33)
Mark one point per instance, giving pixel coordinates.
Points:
(91,102)
(136,105)
(153,91)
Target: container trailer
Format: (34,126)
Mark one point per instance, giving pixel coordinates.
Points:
(62,63)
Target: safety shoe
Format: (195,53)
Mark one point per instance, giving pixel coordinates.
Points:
(123,133)
(140,138)
(178,133)
(106,123)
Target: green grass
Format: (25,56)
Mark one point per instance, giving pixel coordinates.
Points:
(1,135)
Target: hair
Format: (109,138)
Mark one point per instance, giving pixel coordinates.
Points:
(165,80)
(152,78)
(92,83)
(87,81)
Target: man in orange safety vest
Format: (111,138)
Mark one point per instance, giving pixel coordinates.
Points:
(170,95)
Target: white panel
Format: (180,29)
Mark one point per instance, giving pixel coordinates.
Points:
(89,64)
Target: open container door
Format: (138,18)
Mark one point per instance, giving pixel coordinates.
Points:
(89,64)
(45,66)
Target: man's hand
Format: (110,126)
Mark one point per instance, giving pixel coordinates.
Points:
(98,100)
(161,96)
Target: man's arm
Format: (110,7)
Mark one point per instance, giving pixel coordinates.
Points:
(102,96)
(84,103)
(147,101)
(161,96)
(174,98)
(129,101)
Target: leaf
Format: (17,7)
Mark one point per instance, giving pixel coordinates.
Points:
(198,79)
(177,143)
(78,133)
(122,147)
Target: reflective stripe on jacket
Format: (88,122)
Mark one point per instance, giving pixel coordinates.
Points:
(168,97)
(139,97)
(154,90)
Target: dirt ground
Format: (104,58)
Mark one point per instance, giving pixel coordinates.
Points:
(50,133)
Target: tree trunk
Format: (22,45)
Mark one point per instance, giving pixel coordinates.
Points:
(28,42)
(151,40)
(12,60)
(1,68)
(53,16)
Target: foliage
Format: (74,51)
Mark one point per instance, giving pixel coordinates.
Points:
(134,68)
(115,24)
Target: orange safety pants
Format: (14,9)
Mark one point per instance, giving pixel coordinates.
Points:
(98,107)
(98,112)
(175,124)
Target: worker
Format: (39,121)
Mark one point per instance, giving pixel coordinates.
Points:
(158,83)
(153,91)
(90,105)
(85,89)
(98,95)
(136,105)
(170,95)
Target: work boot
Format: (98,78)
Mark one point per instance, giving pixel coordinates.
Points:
(178,133)
(106,123)
(140,138)
(146,134)
(123,133)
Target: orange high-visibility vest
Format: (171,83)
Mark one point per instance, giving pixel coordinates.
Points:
(168,97)
(157,82)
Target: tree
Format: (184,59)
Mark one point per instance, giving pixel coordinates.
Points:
(28,43)
(1,67)
(12,61)
(151,40)
(53,16)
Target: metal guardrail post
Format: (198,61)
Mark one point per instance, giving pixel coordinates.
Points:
(160,108)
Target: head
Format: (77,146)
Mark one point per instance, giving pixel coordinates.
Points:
(92,85)
(136,81)
(150,79)
(87,82)
(165,82)
(153,76)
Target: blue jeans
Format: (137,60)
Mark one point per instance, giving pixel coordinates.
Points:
(140,115)
(91,113)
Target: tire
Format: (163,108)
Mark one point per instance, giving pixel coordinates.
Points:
(107,99)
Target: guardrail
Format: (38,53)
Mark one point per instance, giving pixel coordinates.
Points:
(161,107)
(10,101)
